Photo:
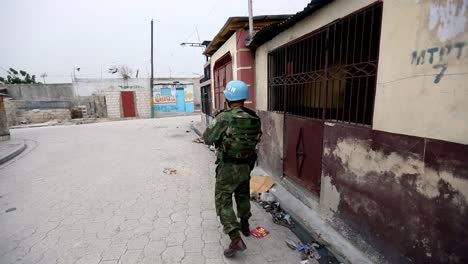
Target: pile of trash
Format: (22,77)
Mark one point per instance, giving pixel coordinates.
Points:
(267,201)
(309,252)
(312,252)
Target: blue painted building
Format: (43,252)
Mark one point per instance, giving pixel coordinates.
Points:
(173,97)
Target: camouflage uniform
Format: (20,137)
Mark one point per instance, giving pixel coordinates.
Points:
(235,133)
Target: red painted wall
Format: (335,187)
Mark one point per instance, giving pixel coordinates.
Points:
(245,65)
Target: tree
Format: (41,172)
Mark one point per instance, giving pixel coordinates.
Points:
(43,75)
(124,71)
(16,77)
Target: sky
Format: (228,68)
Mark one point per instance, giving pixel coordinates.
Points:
(56,36)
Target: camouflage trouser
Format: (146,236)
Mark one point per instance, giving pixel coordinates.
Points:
(232,179)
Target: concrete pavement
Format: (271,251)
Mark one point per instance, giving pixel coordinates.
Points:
(97,193)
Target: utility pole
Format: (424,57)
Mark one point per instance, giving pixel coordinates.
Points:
(152,73)
(250,20)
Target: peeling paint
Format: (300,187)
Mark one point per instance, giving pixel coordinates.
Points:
(329,198)
(361,160)
(449,20)
(326,151)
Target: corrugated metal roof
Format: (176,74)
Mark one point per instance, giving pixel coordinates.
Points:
(269,32)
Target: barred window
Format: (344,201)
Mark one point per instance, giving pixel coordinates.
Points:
(331,73)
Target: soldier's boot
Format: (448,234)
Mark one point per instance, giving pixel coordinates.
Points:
(236,244)
(245,228)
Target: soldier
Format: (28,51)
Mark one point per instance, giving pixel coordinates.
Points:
(235,133)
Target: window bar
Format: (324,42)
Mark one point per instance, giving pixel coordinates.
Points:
(304,86)
(350,100)
(362,38)
(365,103)
(355,43)
(320,106)
(347,40)
(325,92)
(340,65)
(371,33)
(285,109)
(357,100)
(268,81)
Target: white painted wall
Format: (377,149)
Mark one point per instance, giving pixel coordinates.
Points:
(111,88)
(407,99)
(229,46)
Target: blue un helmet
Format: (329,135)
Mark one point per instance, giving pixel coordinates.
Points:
(236,91)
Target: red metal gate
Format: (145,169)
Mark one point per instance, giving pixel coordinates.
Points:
(128,103)
(303,147)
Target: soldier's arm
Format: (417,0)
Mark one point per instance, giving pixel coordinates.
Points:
(214,132)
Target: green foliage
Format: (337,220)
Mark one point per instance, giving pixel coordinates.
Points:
(15,77)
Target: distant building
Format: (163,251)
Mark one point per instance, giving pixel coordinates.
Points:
(124,98)
(176,94)
(205,92)
(132,97)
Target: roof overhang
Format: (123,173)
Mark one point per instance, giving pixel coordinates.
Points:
(269,32)
(235,23)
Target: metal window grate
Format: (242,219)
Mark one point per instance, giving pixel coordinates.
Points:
(329,74)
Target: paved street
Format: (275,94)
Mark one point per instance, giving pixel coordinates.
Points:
(97,194)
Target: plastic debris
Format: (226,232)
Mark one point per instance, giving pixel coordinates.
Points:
(287,218)
(259,232)
(314,253)
(198,140)
(291,244)
(267,197)
(170,171)
(309,251)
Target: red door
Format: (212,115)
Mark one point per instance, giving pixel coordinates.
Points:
(128,104)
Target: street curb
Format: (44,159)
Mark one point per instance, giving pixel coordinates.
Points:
(13,154)
(309,219)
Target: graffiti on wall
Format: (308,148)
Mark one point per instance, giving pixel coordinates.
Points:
(173,97)
(438,56)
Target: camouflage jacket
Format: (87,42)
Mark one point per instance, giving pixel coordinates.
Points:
(235,133)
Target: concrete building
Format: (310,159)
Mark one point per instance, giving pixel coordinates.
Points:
(365,120)
(124,98)
(176,94)
(132,97)
(205,93)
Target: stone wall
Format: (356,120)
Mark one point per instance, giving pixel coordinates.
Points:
(94,105)
(40,92)
(4,132)
(20,112)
